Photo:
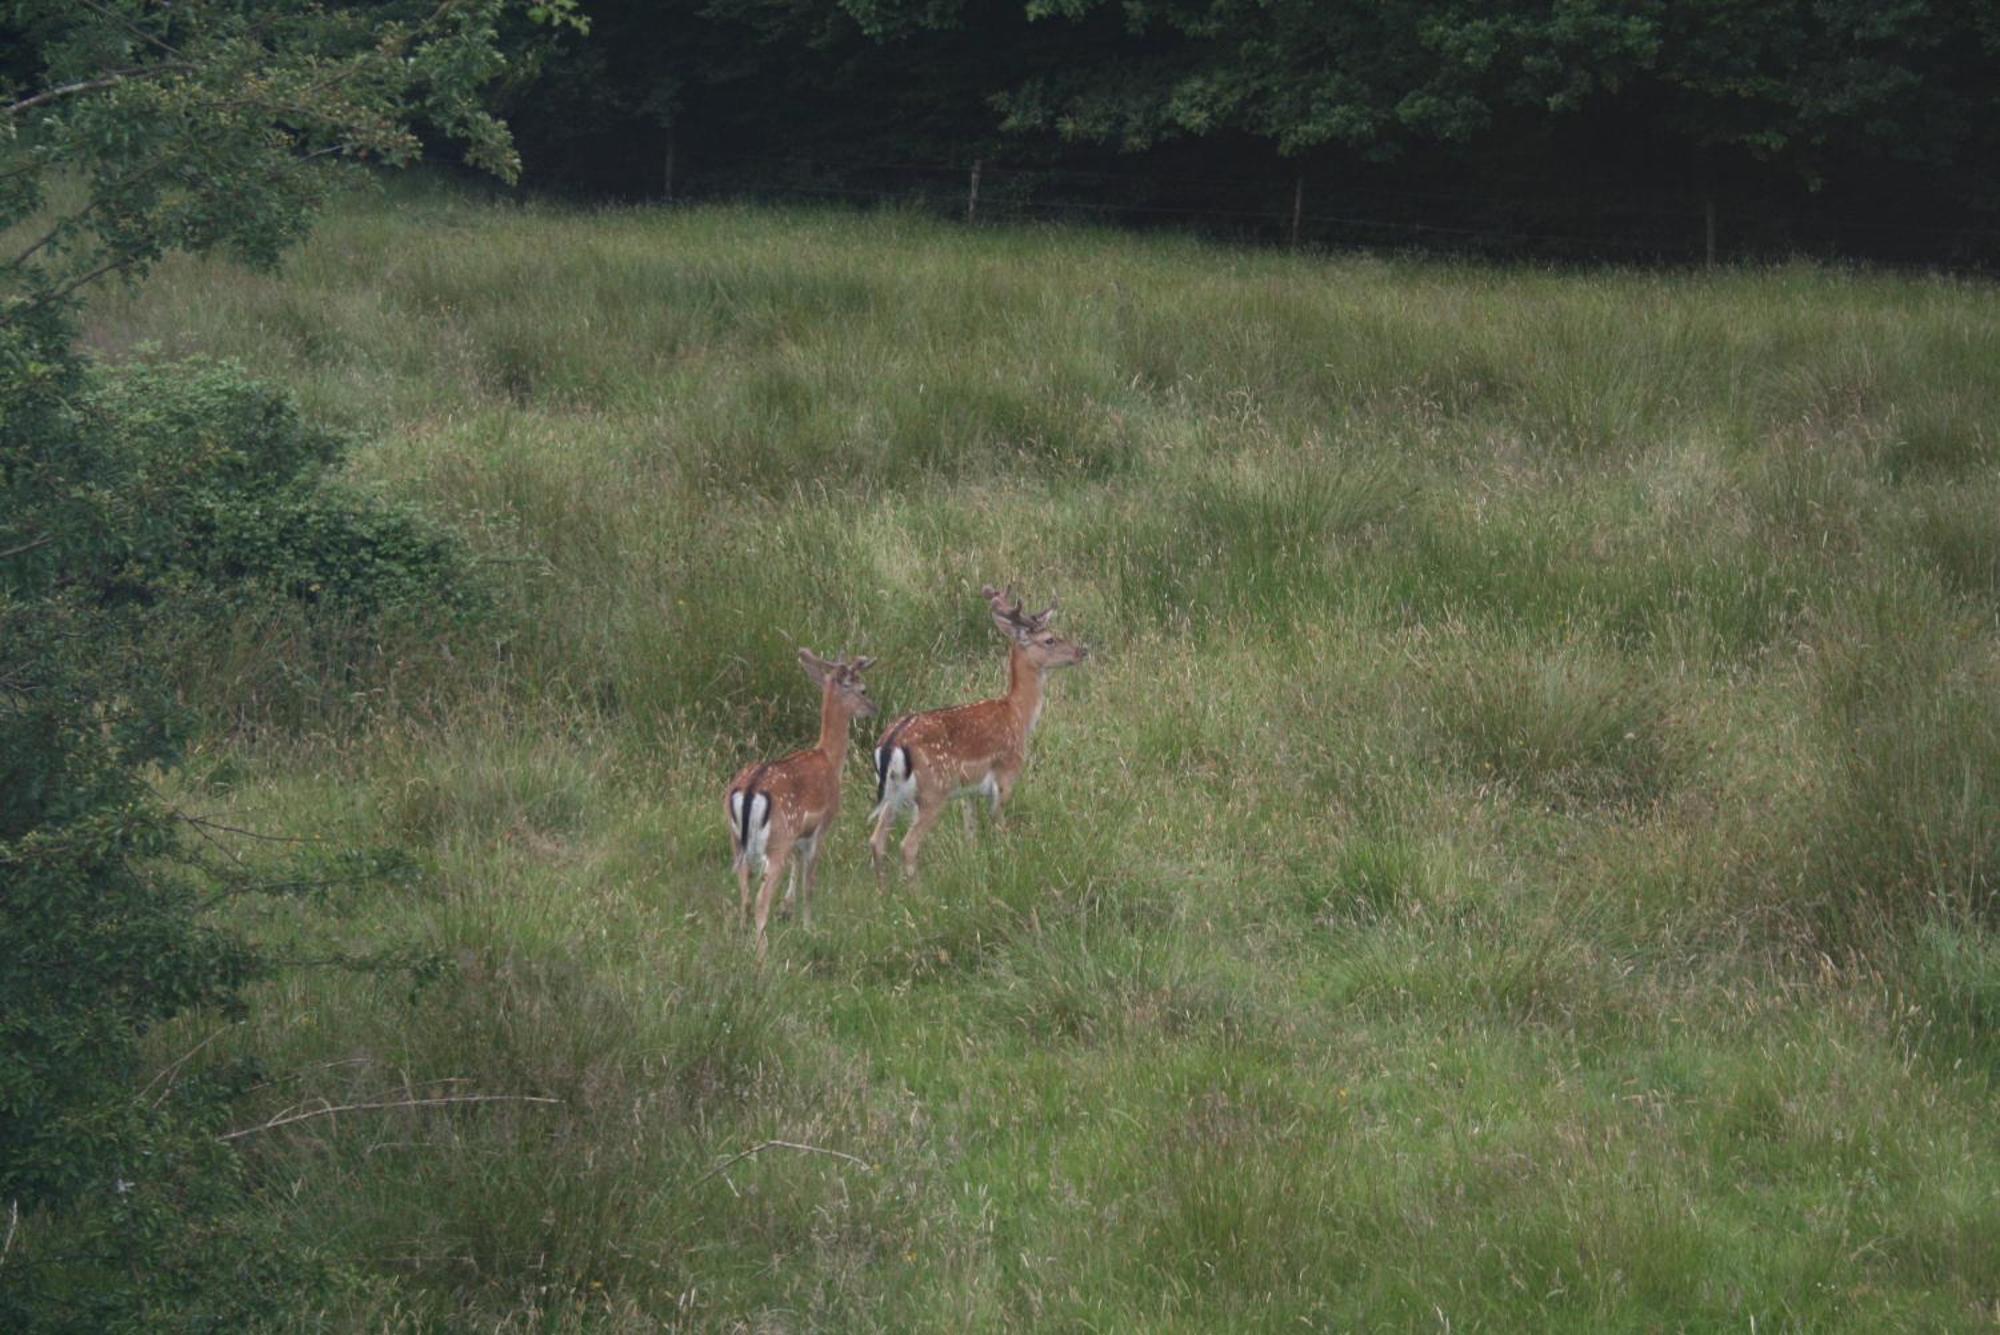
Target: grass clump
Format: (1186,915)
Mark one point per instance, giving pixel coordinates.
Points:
(1910,828)
(1561,729)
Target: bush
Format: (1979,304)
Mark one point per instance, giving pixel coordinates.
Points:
(167,478)
(138,505)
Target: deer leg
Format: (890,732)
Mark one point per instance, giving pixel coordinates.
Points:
(806,886)
(778,854)
(1002,789)
(791,888)
(878,844)
(971,823)
(743,888)
(928,812)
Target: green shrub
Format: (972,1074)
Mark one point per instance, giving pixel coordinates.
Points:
(166,478)
(140,506)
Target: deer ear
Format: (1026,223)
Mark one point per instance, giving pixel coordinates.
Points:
(814,665)
(862,664)
(1009,627)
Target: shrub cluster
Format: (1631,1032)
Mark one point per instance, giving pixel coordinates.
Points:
(148,481)
(130,503)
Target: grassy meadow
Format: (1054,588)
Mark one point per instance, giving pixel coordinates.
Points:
(1521,854)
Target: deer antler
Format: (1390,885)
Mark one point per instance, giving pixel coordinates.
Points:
(1000,600)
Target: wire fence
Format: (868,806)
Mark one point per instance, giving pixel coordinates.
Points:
(1589,219)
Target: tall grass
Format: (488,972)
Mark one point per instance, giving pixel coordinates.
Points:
(1522,853)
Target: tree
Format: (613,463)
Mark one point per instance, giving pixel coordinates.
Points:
(222,124)
(1509,121)
(132,505)
(1809,86)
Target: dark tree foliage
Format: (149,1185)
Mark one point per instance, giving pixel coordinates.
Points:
(110,490)
(742,92)
(137,507)
(1832,124)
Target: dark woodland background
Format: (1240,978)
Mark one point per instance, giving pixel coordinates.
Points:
(1611,129)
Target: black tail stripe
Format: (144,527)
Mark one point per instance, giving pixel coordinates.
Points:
(750,800)
(885,755)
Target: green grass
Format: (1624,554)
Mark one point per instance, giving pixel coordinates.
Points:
(1521,855)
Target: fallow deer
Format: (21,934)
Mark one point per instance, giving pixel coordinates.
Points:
(784,806)
(924,760)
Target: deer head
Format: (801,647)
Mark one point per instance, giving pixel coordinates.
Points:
(843,677)
(1030,630)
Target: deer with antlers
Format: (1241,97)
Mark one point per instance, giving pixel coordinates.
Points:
(781,807)
(924,760)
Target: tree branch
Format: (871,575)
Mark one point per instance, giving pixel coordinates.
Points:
(288,1120)
(58,293)
(110,80)
(247,834)
(42,541)
(66,90)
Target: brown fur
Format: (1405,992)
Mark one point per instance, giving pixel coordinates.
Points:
(803,789)
(967,746)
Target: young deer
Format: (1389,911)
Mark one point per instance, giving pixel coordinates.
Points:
(784,806)
(924,760)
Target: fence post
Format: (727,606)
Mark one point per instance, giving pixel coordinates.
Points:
(668,174)
(1708,228)
(972,193)
(1298,208)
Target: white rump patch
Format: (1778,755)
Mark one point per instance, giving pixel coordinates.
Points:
(760,826)
(899,785)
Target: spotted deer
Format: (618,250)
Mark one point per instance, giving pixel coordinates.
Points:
(924,760)
(781,807)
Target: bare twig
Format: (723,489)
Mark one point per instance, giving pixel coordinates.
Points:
(167,1073)
(202,825)
(85,280)
(759,1148)
(72,222)
(13,1223)
(42,541)
(63,226)
(247,834)
(305,1071)
(287,1120)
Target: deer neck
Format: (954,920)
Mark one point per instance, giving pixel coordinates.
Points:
(834,716)
(1024,689)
